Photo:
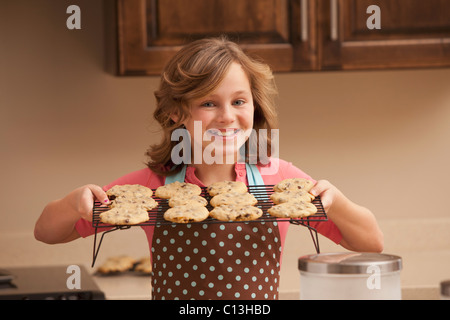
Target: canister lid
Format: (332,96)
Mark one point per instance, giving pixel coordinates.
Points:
(349,263)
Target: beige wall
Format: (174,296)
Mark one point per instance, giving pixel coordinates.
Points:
(382,137)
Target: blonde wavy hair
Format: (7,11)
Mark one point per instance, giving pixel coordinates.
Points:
(194,72)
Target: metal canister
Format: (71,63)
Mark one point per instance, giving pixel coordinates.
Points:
(350,276)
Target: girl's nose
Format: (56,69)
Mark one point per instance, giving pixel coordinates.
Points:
(226,114)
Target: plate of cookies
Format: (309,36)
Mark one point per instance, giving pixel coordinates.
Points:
(221,202)
(124,264)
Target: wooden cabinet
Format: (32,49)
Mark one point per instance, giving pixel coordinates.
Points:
(413,33)
(290,35)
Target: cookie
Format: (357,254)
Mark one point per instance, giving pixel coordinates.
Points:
(144,266)
(293,210)
(129,205)
(169,190)
(236,213)
(116,264)
(183,199)
(291,196)
(186,214)
(294,184)
(234,198)
(226,186)
(129,199)
(131,194)
(125,214)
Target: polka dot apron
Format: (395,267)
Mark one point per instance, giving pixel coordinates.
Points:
(216,260)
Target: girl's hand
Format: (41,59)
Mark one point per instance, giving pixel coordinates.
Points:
(327,192)
(82,199)
(358,226)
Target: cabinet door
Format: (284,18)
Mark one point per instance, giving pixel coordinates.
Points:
(413,33)
(151,31)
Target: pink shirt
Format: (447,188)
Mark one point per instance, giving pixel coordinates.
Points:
(276,171)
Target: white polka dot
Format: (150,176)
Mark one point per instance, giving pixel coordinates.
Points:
(213,234)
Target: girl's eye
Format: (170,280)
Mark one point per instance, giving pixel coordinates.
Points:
(207,104)
(239,102)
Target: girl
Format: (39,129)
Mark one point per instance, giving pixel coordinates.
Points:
(218,95)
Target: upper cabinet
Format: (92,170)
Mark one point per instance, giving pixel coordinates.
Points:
(413,33)
(290,35)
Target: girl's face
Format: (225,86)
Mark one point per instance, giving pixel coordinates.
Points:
(226,116)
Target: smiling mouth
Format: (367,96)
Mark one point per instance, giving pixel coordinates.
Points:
(226,133)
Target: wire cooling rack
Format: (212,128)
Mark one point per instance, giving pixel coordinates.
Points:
(261,192)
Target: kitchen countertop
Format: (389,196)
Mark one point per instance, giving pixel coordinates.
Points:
(138,287)
(125,286)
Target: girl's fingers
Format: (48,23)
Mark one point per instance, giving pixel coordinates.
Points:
(323,188)
(99,193)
